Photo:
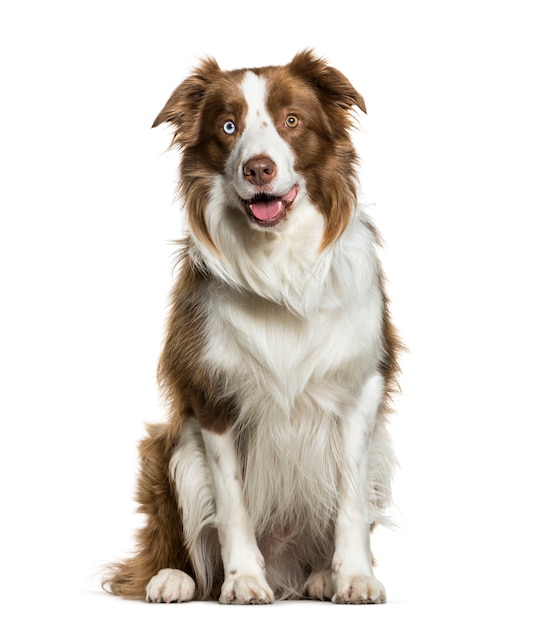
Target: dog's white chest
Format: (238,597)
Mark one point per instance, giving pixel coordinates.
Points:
(269,355)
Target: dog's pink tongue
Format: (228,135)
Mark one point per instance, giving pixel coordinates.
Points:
(266,211)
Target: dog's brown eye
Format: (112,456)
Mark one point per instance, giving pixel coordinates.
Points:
(291,121)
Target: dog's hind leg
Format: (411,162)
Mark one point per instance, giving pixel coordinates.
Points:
(170,585)
(193,482)
(160,542)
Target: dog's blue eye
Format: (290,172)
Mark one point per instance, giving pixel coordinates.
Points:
(229,127)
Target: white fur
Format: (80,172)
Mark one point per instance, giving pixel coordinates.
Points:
(170,585)
(296,333)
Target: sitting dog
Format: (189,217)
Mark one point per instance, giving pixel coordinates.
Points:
(280,358)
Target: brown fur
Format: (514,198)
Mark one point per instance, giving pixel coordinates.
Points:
(189,388)
(160,542)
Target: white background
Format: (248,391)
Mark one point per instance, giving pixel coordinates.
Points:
(87,214)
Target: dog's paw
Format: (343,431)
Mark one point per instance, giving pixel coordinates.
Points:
(246,589)
(170,585)
(319,585)
(358,590)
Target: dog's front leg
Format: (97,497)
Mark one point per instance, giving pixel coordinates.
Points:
(244,566)
(352,573)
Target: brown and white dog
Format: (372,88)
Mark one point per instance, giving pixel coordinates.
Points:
(280,356)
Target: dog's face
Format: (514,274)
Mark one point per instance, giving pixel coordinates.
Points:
(272,136)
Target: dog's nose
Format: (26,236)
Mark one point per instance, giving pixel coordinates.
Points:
(259,170)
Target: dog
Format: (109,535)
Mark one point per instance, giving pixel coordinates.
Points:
(280,358)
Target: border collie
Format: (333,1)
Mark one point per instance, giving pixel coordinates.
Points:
(280,358)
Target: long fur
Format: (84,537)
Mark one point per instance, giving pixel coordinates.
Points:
(274,335)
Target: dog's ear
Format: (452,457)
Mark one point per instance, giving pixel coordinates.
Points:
(330,82)
(183,108)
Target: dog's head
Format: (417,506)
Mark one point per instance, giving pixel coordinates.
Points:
(268,139)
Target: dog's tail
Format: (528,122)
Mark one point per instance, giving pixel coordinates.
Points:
(160,542)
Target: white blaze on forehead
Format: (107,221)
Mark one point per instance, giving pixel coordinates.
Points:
(260,137)
(254,88)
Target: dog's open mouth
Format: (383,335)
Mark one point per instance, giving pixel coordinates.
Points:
(267,210)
